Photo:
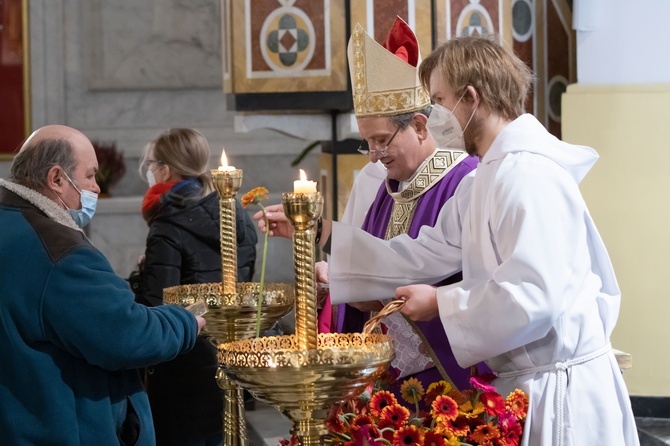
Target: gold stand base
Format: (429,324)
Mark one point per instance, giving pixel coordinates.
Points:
(305,384)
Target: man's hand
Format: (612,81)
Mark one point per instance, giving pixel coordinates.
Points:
(420,301)
(279,224)
(321,272)
(201,323)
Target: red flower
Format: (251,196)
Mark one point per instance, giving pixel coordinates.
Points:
(459,427)
(380,400)
(408,436)
(485,433)
(393,416)
(456,417)
(436,389)
(444,407)
(335,424)
(494,403)
(432,438)
(362,420)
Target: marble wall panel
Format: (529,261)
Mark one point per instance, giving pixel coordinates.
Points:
(152,44)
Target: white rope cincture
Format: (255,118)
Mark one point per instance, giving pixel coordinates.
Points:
(561,369)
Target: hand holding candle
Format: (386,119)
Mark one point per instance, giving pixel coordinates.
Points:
(303,186)
(224,167)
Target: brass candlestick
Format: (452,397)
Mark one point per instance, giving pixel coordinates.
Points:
(303,210)
(305,374)
(227,183)
(232,307)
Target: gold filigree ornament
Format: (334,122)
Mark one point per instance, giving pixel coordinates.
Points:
(233,316)
(305,384)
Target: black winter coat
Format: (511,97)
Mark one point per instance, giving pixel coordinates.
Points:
(184,244)
(184,247)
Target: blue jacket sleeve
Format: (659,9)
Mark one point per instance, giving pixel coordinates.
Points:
(90,311)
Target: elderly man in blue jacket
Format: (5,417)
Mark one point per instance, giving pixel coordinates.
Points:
(71,335)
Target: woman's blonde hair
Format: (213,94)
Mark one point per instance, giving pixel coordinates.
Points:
(501,79)
(185,151)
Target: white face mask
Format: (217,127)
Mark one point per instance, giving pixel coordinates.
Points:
(151,178)
(445,128)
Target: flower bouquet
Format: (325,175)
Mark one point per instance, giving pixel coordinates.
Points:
(477,416)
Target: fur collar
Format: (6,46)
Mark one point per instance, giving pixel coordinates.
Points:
(44,204)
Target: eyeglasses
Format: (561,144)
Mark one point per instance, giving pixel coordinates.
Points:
(365,149)
(148,162)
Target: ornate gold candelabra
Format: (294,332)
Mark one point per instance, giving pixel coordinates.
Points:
(227,183)
(232,306)
(305,374)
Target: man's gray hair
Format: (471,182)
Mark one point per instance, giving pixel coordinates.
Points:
(31,165)
(402,121)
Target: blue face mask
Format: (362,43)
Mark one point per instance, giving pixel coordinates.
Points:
(89,200)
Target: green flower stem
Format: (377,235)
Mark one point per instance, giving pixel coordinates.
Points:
(416,400)
(260,285)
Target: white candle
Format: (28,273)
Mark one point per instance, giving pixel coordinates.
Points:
(303,186)
(224,167)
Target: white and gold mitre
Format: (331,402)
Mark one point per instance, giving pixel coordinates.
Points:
(385,77)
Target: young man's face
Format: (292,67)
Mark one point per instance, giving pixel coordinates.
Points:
(441,93)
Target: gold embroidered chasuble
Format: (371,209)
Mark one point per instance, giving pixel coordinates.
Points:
(431,171)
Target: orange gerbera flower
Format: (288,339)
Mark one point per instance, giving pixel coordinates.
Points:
(394,416)
(444,407)
(360,420)
(494,403)
(485,433)
(517,403)
(436,389)
(412,391)
(335,424)
(432,438)
(459,427)
(254,196)
(408,436)
(380,400)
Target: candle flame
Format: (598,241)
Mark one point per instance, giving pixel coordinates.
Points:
(224,159)
(303,177)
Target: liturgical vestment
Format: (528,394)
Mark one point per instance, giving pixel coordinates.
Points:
(539,297)
(422,349)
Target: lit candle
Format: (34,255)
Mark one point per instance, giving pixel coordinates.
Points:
(224,167)
(302,186)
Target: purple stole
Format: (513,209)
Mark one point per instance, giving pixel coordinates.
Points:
(426,211)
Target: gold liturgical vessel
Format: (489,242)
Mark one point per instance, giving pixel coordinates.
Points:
(231,306)
(305,374)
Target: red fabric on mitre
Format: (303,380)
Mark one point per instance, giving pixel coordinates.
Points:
(402,42)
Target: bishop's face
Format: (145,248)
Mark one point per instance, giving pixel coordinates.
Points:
(400,150)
